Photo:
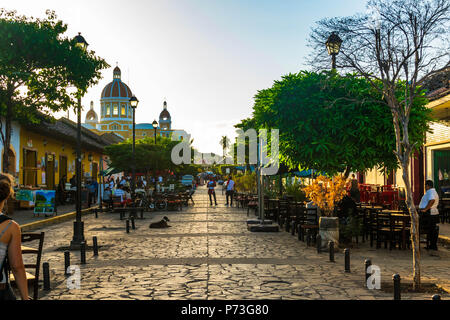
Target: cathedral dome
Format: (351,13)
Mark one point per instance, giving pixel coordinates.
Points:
(116,88)
(91,116)
(164,115)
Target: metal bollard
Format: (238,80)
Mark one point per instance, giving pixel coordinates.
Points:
(397,294)
(96,213)
(133,225)
(347,260)
(46,271)
(319,243)
(436,297)
(95,246)
(83,252)
(293,227)
(128,225)
(331,246)
(367,264)
(308,238)
(66,261)
(288,225)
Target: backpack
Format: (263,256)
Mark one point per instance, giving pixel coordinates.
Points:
(4,264)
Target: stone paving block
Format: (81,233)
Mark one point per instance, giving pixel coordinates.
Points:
(208,253)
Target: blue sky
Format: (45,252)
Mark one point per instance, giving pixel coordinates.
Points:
(208,58)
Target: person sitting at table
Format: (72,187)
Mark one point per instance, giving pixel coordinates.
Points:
(10,247)
(62,190)
(429,214)
(127,195)
(120,193)
(73,181)
(354,189)
(107,196)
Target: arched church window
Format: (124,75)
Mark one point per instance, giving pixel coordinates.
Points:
(108,110)
(115,110)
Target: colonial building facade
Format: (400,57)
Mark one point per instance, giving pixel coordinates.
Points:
(116,114)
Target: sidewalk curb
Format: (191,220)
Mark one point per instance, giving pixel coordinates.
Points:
(54,220)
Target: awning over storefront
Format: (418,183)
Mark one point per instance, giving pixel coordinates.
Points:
(109,171)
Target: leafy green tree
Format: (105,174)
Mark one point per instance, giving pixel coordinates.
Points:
(396,46)
(332,123)
(38,65)
(149,157)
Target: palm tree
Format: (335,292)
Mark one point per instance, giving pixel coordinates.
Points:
(224,142)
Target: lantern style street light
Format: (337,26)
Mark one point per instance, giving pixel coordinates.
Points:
(134,103)
(155,126)
(78,227)
(333,46)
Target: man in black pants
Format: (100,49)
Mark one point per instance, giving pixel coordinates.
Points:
(230,190)
(211,192)
(429,214)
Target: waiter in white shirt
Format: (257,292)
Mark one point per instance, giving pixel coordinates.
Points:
(429,214)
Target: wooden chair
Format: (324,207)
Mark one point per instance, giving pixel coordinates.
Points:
(117,202)
(383,229)
(311,225)
(298,212)
(32,279)
(252,204)
(282,213)
(400,231)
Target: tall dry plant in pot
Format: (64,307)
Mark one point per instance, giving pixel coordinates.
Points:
(326,193)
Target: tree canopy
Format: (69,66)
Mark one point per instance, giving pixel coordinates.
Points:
(38,66)
(332,123)
(150,157)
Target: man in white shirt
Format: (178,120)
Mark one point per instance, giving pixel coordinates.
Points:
(230,190)
(429,214)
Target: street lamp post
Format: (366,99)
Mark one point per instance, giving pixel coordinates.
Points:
(134,103)
(78,226)
(155,125)
(333,46)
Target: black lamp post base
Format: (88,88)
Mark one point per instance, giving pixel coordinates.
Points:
(78,235)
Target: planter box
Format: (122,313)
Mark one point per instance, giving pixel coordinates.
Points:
(329,231)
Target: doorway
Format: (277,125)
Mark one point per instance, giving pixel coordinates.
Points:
(441,174)
(50,171)
(30,167)
(95,171)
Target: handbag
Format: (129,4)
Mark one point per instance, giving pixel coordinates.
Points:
(7,294)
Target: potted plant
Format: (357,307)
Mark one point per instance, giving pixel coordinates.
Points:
(326,193)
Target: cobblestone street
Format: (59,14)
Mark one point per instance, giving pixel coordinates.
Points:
(209,254)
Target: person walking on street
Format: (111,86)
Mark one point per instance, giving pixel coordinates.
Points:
(230,190)
(211,192)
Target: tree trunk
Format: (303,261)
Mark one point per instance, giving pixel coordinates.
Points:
(347,172)
(415,239)
(8,127)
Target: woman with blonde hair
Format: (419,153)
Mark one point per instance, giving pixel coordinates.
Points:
(10,247)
